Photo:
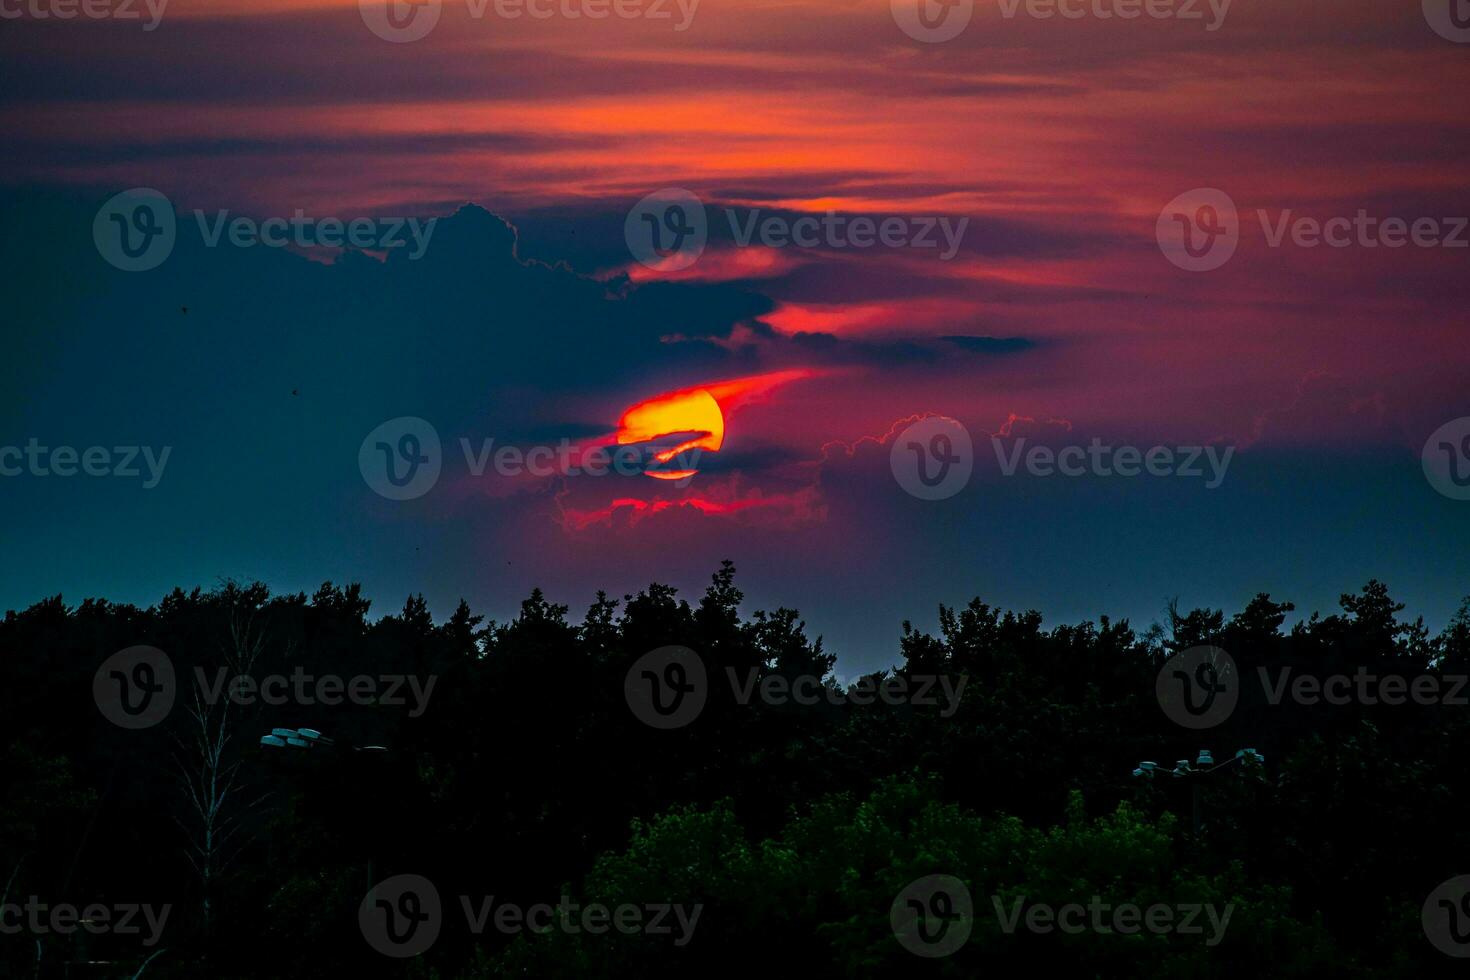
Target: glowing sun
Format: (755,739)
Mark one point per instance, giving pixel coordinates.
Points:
(683,420)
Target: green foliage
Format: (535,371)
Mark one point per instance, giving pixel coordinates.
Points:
(815,899)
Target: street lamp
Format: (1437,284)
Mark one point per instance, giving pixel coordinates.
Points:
(306,738)
(309,738)
(1204,764)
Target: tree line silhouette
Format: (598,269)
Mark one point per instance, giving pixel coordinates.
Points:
(526,777)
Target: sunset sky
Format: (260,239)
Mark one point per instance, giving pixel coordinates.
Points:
(528,320)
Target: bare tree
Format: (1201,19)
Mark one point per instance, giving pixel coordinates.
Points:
(217,809)
(5,895)
(247,643)
(145,964)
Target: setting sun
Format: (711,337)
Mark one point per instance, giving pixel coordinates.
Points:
(692,414)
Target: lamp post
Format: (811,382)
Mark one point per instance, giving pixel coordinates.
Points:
(307,738)
(310,739)
(1204,765)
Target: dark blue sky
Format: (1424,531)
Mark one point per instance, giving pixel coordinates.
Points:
(265,389)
